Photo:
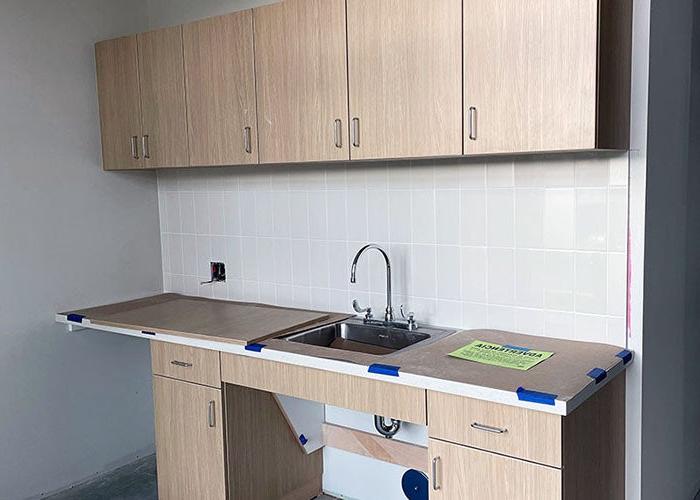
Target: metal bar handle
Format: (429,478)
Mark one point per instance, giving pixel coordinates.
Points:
(356,132)
(212,414)
(135,147)
(146,147)
(247,143)
(182,364)
(338,133)
(472,123)
(488,428)
(436,482)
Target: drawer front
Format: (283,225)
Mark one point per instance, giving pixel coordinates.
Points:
(337,389)
(509,430)
(462,473)
(200,366)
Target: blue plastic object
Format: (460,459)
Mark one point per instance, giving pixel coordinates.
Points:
(543,398)
(255,347)
(625,355)
(415,485)
(597,374)
(384,369)
(302,439)
(75,318)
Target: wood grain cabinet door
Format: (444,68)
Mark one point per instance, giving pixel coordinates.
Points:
(530,75)
(189,440)
(462,473)
(405,77)
(220,83)
(120,103)
(162,79)
(301,78)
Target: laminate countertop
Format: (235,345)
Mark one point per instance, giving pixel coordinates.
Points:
(557,385)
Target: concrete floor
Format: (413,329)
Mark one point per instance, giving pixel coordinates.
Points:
(136,481)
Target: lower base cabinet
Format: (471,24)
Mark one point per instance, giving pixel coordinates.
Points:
(463,473)
(189,440)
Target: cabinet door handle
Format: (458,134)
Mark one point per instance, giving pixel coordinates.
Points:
(472,123)
(356,132)
(182,364)
(146,147)
(338,133)
(247,142)
(135,147)
(436,482)
(211,414)
(488,428)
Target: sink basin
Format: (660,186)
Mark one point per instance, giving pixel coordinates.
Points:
(354,335)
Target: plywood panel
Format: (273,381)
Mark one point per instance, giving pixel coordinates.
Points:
(200,366)
(204,318)
(530,72)
(405,76)
(463,473)
(356,393)
(375,446)
(120,104)
(162,81)
(301,77)
(517,432)
(220,82)
(189,449)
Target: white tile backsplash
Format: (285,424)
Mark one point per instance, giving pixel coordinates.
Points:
(535,245)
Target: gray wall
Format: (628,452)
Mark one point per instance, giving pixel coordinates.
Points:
(670,396)
(71,404)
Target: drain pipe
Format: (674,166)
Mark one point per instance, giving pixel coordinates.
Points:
(386,430)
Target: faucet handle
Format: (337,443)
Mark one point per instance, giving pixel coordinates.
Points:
(408,317)
(358,309)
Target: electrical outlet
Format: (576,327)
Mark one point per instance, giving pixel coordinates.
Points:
(218,273)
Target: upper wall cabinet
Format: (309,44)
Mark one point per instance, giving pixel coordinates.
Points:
(301,76)
(120,104)
(220,82)
(405,76)
(546,75)
(142,101)
(164,118)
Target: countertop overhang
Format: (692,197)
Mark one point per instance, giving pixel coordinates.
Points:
(558,385)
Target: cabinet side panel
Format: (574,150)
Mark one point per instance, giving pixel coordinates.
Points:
(264,461)
(614,74)
(594,446)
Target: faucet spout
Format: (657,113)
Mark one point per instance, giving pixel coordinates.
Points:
(389,312)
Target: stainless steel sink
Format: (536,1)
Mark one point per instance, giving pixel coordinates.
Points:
(355,335)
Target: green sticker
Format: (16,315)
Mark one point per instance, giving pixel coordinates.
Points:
(505,356)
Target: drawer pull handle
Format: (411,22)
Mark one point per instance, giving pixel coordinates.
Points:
(212,414)
(181,363)
(488,428)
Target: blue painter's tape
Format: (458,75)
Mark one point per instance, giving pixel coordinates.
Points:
(148,333)
(384,369)
(597,374)
(254,347)
(75,318)
(516,348)
(625,356)
(535,396)
(302,439)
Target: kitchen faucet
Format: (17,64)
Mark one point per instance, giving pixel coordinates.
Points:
(410,323)
(389,312)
